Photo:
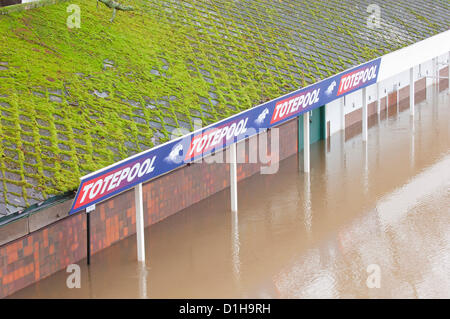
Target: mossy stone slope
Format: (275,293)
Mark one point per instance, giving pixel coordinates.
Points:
(75,100)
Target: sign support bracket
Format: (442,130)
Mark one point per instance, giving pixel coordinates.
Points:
(364,115)
(88,238)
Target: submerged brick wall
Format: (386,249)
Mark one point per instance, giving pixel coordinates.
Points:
(42,253)
(48,250)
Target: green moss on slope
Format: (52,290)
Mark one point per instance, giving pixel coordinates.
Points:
(76,100)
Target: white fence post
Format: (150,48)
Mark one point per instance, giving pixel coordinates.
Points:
(411,91)
(435,79)
(139,222)
(306,142)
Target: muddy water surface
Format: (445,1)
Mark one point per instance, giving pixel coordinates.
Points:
(381,206)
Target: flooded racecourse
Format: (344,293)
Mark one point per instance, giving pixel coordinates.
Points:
(370,221)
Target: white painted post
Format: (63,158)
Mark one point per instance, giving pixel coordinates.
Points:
(434,70)
(139,222)
(342,114)
(437,71)
(411,91)
(366,169)
(412,152)
(306,142)
(378,99)
(364,115)
(142,281)
(235,247)
(233,178)
(448,70)
(326,120)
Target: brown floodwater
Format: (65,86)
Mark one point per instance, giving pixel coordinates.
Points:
(384,203)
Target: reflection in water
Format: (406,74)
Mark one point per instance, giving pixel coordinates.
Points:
(307,203)
(394,206)
(89,279)
(235,244)
(142,271)
(383,203)
(413,132)
(366,167)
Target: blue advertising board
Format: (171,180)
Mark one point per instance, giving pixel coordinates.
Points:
(114,179)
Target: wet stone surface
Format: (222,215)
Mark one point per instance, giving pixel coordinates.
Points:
(108,64)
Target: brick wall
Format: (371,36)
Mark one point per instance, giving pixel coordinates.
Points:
(42,253)
(50,249)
